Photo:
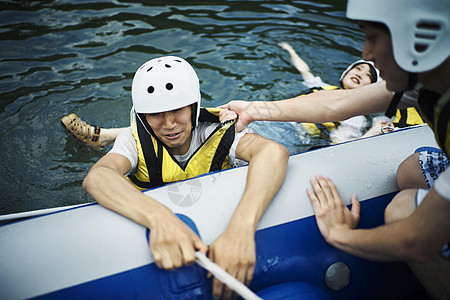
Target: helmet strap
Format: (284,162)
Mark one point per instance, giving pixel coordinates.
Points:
(390,112)
(194,116)
(412,80)
(143,121)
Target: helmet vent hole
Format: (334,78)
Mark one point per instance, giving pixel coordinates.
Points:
(177,60)
(428,25)
(415,62)
(149,69)
(425,36)
(169,86)
(421,47)
(150,89)
(168,66)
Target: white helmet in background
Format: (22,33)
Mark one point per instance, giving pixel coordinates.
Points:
(373,71)
(420,29)
(163,84)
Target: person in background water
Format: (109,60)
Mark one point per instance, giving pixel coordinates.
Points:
(358,74)
(170,139)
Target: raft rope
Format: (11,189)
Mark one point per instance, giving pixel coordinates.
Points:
(39,212)
(225,277)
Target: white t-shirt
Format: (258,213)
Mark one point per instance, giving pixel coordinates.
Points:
(349,129)
(125,145)
(316,81)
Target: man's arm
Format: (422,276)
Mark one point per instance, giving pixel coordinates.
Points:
(415,238)
(234,250)
(319,107)
(173,243)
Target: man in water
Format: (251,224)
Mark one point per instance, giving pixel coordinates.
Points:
(171,140)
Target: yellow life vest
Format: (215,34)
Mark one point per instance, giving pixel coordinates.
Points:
(154,169)
(407,117)
(320,129)
(316,89)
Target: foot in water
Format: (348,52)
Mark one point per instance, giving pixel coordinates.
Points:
(91,135)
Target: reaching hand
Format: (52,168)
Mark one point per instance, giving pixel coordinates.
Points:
(226,115)
(286,47)
(377,128)
(242,111)
(331,213)
(173,243)
(234,251)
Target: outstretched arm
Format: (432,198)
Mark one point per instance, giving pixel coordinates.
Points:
(414,238)
(374,130)
(234,250)
(319,107)
(173,243)
(299,63)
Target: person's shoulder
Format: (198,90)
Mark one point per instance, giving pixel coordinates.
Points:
(126,131)
(126,146)
(125,137)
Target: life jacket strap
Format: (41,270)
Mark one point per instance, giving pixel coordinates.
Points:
(223,149)
(153,161)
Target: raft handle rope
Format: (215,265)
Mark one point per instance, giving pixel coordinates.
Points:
(225,277)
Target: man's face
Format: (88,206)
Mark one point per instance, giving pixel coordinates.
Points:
(357,77)
(173,128)
(378,48)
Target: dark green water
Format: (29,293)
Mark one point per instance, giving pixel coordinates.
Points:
(58,57)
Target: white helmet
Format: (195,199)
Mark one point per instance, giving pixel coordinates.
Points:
(420,29)
(164,84)
(374,71)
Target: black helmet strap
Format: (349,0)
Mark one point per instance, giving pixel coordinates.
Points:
(390,112)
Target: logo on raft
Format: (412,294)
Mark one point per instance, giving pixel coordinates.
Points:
(185,193)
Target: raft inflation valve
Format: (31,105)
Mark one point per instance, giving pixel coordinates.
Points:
(337,276)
